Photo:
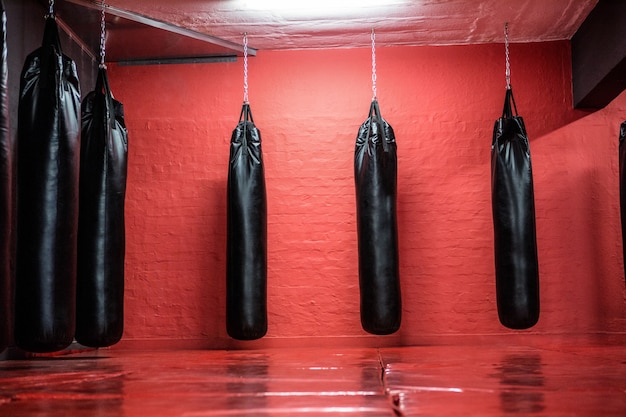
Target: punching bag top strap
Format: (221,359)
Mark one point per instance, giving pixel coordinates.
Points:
(245,117)
(507,111)
(103,87)
(51,44)
(374,108)
(102,83)
(51,34)
(375,117)
(246,114)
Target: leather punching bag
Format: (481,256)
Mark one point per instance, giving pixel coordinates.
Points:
(375,172)
(622,186)
(246,267)
(6,188)
(513,209)
(48,148)
(101,234)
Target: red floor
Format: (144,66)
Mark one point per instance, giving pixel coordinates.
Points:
(413,381)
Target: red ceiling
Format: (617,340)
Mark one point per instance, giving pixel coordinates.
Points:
(417,22)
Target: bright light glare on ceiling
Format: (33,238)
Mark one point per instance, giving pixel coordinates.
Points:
(325,5)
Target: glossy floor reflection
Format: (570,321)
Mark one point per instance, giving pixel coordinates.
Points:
(411,381)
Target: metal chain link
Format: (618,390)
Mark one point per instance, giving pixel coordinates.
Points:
(508,64)
(102,37)
(245,68)
(51,8)
(373,64)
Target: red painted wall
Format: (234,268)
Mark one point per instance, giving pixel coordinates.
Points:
(442,103)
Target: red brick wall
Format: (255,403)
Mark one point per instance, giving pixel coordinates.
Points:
(442,103)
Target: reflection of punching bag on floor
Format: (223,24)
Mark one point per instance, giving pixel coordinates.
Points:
(48,148)
(246,267)
(513,207)
(101,234)
(622,186)
(6,188)
(375,171)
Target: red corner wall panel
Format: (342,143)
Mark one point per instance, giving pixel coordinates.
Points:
(442,103)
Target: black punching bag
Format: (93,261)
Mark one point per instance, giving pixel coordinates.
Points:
(513,209)
(246,264)
(375,173)
(622,185)
(48,151)
(6,187)
(101,233)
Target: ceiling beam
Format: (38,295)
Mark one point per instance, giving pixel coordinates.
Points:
(599,56)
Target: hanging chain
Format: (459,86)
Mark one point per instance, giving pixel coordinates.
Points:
(506,48)
(51,8)
(102,37)
(373,64)
(245,68)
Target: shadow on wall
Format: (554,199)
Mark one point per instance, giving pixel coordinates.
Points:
(578,223)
